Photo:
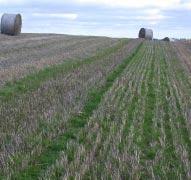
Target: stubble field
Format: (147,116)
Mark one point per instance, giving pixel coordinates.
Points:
(74,107)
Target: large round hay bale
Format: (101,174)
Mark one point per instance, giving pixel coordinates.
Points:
(11,24)
(146,33)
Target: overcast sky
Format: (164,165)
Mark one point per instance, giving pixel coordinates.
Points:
(116,18)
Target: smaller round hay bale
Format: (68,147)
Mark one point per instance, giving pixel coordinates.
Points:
(11,24)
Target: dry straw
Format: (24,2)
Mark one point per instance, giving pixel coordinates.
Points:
(11,24)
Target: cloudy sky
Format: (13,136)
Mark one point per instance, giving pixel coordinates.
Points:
(115,18)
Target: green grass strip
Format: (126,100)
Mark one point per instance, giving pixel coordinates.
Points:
(54,148)
(33,81)
(171,162)
(148,134)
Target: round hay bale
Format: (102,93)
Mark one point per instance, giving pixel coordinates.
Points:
(146,33)
(11,24)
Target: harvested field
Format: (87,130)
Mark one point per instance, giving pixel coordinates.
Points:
(110,109)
